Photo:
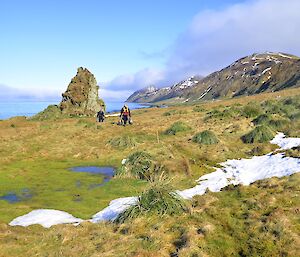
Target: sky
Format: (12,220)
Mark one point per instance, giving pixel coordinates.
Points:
(132,44)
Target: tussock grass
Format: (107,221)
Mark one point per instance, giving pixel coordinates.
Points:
(251,110)
(199,108)
(260,134)
(139,165)
(123,142)
(159,198)
(206,137)
(177,127)
(225,114)
(279,124)
(262,119)
(295,116)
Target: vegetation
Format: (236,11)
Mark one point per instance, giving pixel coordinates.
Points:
(251,110)
(205,137)
(279,124)
(139,165)
(159,199)
(260,134)
(262,119)
(52,112)
(256,220)
(123,142)
(177,127)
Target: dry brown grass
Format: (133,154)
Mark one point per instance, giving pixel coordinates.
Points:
(215,225)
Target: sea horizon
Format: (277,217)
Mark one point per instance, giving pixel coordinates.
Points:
(29,108)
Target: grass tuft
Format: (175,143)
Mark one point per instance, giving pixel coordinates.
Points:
(279,124)
(139,165)
(158,199)
(177,127)
(123,142)
(260,134)
(262,119)
(251,110)
(205,137)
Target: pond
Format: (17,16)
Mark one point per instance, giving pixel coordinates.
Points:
(107,171)
(13,197)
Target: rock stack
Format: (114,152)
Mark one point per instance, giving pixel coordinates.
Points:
(81,96)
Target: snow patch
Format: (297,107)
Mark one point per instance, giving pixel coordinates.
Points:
(285,56)
(244,172)
(266,70)
(205,92)
(285,143)
(46,218)
(115,208)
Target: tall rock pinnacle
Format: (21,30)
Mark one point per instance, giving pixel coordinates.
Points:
(81,96)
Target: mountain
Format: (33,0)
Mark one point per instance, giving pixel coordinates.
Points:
(254,74)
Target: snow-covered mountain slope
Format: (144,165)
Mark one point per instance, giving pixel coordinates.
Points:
(254,74)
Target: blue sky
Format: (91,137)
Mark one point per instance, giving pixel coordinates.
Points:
(126,44)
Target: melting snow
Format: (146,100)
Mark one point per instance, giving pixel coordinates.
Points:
(205,92)
(115,208)
(286,56)
(267,69)
(46,218)
(285,143)
(243,171)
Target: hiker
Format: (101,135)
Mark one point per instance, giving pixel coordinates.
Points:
(125,115)
(100,115)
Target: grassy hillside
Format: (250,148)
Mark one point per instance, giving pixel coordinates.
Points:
(259,220)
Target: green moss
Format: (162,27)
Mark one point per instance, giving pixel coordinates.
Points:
(52,112)
(260,134)
(54,186)
(206,137)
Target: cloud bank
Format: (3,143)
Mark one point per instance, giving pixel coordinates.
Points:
(29,94)
(214,39)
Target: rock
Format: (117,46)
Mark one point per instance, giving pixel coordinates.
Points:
(81,96)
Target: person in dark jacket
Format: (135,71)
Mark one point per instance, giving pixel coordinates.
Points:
(100,115)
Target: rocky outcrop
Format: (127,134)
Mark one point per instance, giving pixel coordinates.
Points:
(254,74)
(81,96)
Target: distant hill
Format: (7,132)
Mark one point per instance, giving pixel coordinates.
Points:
(254,74)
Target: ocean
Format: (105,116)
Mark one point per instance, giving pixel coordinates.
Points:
(26,108)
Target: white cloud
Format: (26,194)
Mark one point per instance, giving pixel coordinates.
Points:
(114,96)
(134,81)
(214,39)
(10,93)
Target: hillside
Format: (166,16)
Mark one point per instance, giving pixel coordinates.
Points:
(260,219)
(254,74)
